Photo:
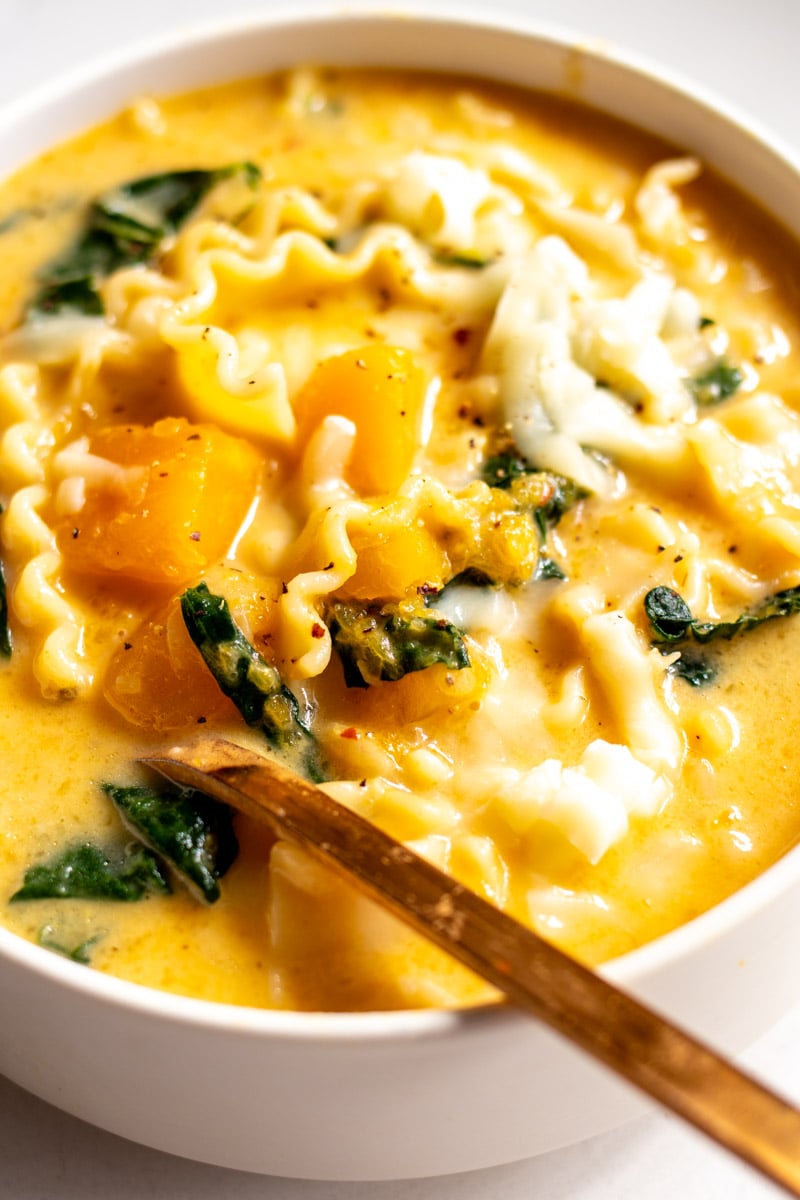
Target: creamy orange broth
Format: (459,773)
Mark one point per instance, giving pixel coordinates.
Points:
(283,934)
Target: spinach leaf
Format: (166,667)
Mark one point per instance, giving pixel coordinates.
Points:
(716,384)
(87,872)
(378,642)
(500,470)
(471,577)
(76,296)
(255,687)
(548,568)
(48,940)
(672,621)
(145,211)
(193,833)
(125,226)
(550,496)
(547,494)
(694,668)
(668,614)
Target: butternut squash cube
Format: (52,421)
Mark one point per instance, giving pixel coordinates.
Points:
(172,511)
(381,390)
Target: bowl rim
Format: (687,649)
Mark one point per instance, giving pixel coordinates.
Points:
(183,40)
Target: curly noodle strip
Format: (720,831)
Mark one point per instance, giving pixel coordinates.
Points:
(59,663)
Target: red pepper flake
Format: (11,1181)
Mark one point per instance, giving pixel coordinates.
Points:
(193,437)
(284,588)
(329,567)
(127,645)
(317,630)
(195,536)
(351,733)
(462,336)
(75,533)
(202,720)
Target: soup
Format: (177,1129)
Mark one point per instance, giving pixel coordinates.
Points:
(437,437)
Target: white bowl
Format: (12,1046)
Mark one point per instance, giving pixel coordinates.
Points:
(386,1095)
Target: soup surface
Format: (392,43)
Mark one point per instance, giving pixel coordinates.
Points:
(439,438)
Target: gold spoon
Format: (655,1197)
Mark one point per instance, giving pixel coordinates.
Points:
(670,1066)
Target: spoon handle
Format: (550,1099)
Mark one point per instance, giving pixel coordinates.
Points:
(669,1065)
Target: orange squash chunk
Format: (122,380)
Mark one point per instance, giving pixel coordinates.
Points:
(394,562)
(173,509)
(381,390)
(157,680)
(435,695)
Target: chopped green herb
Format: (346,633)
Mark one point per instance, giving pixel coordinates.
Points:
(255,687)
(672,620)
(193,833)
(705,322)
(378,642)
(86,872)
(715,385)
(48,940)
(126,226)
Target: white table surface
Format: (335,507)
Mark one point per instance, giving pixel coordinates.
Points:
(745,51)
